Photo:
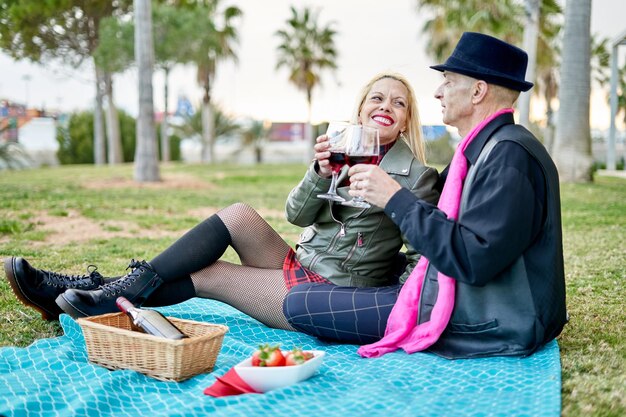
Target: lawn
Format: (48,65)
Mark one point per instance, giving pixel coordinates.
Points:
(70,217)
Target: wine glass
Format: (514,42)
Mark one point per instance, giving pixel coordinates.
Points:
(362,147)
(336,133)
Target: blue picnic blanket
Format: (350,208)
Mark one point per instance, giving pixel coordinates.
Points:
(52,377)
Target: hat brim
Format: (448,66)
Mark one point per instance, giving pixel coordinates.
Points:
(493,78)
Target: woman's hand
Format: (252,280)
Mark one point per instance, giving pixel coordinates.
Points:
(322,154)
(372,183)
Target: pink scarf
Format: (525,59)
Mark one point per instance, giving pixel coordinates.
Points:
(402,329)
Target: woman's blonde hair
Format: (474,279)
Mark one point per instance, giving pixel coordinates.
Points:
(413,133)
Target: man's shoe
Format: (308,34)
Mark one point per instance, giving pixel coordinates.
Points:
(38,289)
(135,286)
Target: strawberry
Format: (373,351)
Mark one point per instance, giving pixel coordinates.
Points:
(297,357)
(268,356)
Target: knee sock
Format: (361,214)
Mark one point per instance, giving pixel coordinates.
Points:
(195,250)
(170,293)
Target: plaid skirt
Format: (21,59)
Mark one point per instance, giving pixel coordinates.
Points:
(296,274)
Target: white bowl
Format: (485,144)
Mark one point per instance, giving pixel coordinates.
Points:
(266,378)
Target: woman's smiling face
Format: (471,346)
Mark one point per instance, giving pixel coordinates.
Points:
(386,107)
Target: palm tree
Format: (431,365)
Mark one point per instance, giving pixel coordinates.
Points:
(114,54)
(212,43)
(306,49)
(254,135)
(504,19)
(146,161)
(572,136)
(192,127)
(171,47)
(531,36)
(99,137)
(621,98)
(451,18)
(548,61)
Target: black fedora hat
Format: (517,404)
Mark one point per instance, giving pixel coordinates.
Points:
(490,59)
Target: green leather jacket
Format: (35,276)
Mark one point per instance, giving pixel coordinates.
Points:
(353,246)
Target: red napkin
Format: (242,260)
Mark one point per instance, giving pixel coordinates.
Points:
(229,384)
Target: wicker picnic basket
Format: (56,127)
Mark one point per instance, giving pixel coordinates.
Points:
(111,343)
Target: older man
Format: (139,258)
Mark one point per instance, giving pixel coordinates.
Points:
(500,247)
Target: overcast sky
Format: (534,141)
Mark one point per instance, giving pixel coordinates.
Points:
(372,36)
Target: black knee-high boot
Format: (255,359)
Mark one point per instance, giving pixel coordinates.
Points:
(195,250)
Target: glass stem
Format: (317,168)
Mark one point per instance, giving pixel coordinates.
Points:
(333,183)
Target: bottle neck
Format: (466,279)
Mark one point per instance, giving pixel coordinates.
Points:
(124,305)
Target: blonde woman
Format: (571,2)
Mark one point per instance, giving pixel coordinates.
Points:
(340,245)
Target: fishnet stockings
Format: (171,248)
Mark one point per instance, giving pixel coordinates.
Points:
(257,286)
(257,292)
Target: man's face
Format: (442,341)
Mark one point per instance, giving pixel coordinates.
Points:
(455,95)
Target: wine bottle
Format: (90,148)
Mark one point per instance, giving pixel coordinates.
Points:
(150,321)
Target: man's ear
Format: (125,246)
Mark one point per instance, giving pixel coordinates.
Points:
(479,91)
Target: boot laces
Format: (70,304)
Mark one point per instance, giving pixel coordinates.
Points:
(118,286)
(55,279)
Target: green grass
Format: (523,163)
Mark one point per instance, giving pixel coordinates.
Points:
(593,344)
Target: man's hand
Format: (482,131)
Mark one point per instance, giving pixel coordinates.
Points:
(372,183)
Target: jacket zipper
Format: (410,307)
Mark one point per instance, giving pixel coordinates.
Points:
(358,244)
(342,226)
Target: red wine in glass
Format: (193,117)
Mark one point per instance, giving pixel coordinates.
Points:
(336,137)
(361,159)
(337,160)
(362,147)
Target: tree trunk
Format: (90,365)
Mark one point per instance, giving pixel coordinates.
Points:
(165,140)
(258,154)
(114,140)
(99,146)
(207,128)
(572,139)
(548,134)
(531,34)
(308,130)
(146,162)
